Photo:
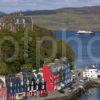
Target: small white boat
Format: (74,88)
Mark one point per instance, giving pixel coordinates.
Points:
(79,32)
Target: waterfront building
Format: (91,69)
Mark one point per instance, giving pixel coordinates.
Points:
(28,83)
(67,70)
(30,86)
(56,74)
(50,77)
(90,73)
(3,78)
(17,87)
(3,91)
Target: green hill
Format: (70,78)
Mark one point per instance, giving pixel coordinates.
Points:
(67,18)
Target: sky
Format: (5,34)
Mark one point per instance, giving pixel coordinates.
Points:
(9,6)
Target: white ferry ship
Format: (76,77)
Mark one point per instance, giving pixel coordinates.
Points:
(79,32)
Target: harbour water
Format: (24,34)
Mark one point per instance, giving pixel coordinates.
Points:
(87,52)
(92,94)
(85,47)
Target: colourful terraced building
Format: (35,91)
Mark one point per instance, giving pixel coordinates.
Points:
(57,75)
(18,88)
(28,83)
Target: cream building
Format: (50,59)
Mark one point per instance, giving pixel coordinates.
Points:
(90,73)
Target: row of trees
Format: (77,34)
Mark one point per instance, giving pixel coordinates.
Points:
(26,55)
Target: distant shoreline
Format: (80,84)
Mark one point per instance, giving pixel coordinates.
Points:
(84,18)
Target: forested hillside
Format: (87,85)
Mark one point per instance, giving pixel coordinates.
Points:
(8,49)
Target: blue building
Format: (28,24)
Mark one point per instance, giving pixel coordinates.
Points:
(28,87)
(67,70)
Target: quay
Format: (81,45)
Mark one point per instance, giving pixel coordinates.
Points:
(70,94)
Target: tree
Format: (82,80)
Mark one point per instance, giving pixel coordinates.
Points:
(64,49)
(3,68)
(46,48)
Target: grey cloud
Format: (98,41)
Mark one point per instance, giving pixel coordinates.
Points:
(13,5)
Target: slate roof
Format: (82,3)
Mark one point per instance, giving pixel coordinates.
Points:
(59,65)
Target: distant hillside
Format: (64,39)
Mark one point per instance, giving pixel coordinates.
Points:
(40,12)
(67,18)
(81,10)
(2,14)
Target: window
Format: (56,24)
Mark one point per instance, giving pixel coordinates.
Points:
(17,21)
(23,21)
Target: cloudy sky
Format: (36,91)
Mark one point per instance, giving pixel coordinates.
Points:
(16,5)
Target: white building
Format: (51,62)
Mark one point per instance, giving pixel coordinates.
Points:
(90,73)
(98,73)
(3,79)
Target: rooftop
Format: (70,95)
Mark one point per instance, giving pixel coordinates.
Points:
(58,65)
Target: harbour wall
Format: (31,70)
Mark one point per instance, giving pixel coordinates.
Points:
(78,92)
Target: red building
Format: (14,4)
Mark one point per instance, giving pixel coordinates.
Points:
(51,76)
(3,91)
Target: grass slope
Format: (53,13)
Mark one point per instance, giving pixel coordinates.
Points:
(69,18)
